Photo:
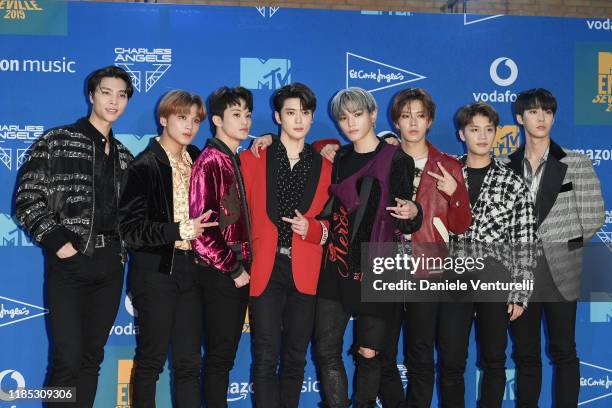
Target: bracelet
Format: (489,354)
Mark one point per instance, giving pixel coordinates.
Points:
(324,234)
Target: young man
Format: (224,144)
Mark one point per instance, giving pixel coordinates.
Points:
(503,225)
(288,251)
(67,199)
(225,250)
(154,222)
(440,189)
(372,185)
(569,210)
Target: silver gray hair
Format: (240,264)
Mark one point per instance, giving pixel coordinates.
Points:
(351,100)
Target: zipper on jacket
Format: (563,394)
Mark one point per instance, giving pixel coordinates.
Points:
(116,158)
(93,195)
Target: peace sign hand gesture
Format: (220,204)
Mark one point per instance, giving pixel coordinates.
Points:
(299,224)
(446,182)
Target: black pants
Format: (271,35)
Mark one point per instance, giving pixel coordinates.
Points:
(169,313)
(224,313)
(281,326)
(83,295)
(370,332)
(561,326)
(455,323)
(421,322)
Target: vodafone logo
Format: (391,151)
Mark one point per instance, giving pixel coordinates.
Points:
(16,378)
(508,80)
(129,307)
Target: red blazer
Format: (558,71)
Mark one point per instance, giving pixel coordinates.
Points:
(260,184)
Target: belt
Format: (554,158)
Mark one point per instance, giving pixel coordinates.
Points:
(104,240)
(284,251)
(186,253)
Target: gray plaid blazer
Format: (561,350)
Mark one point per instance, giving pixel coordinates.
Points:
(569,210)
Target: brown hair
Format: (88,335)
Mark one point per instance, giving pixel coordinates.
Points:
(179,101)
(408,95)
(466,114)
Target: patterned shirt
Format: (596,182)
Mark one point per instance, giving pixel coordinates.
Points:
(181,173)
(533,178)
(290,185)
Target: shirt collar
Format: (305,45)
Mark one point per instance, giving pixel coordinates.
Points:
(89,130)
(174,159)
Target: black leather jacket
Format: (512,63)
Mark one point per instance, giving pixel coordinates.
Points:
(146,209)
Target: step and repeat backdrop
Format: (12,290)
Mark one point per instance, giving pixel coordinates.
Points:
(47,48)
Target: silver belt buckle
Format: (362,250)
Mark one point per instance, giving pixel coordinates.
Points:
(285,251)
(100,243)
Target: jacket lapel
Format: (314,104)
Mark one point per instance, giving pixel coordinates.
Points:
(553,176)
(271,174)
(516,161)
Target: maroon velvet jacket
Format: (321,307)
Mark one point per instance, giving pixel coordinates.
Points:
(216,184)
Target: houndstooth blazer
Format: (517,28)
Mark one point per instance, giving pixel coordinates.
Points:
(503,218)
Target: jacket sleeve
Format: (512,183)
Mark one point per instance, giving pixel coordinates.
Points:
(137,230)
(588,198)
(32,205)
(205,194)
(459,212)
(401,186)
(523,239)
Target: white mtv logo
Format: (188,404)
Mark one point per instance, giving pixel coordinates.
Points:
(134,143)
(10,234)
(601,307)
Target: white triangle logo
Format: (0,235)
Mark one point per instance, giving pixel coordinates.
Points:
(375,75)
(594,380)
(467,20)
(14,311)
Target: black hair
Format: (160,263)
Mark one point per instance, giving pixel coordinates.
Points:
(225,97)
(533,99)
(112,71)
(295,90)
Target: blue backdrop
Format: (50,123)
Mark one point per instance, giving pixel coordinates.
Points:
(48,47)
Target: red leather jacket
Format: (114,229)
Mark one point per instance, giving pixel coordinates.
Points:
(216,183)
(454,211)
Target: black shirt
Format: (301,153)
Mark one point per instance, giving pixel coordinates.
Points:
(475,179)
(290,185)
(105,193)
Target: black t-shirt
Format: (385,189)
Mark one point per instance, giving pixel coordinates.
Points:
(475,179)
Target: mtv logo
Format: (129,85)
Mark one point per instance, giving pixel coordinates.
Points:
(134,143)
(14,311)
(601,307)
(260,73)
(375,75)
(509,391)
(507,140)
(10,234)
